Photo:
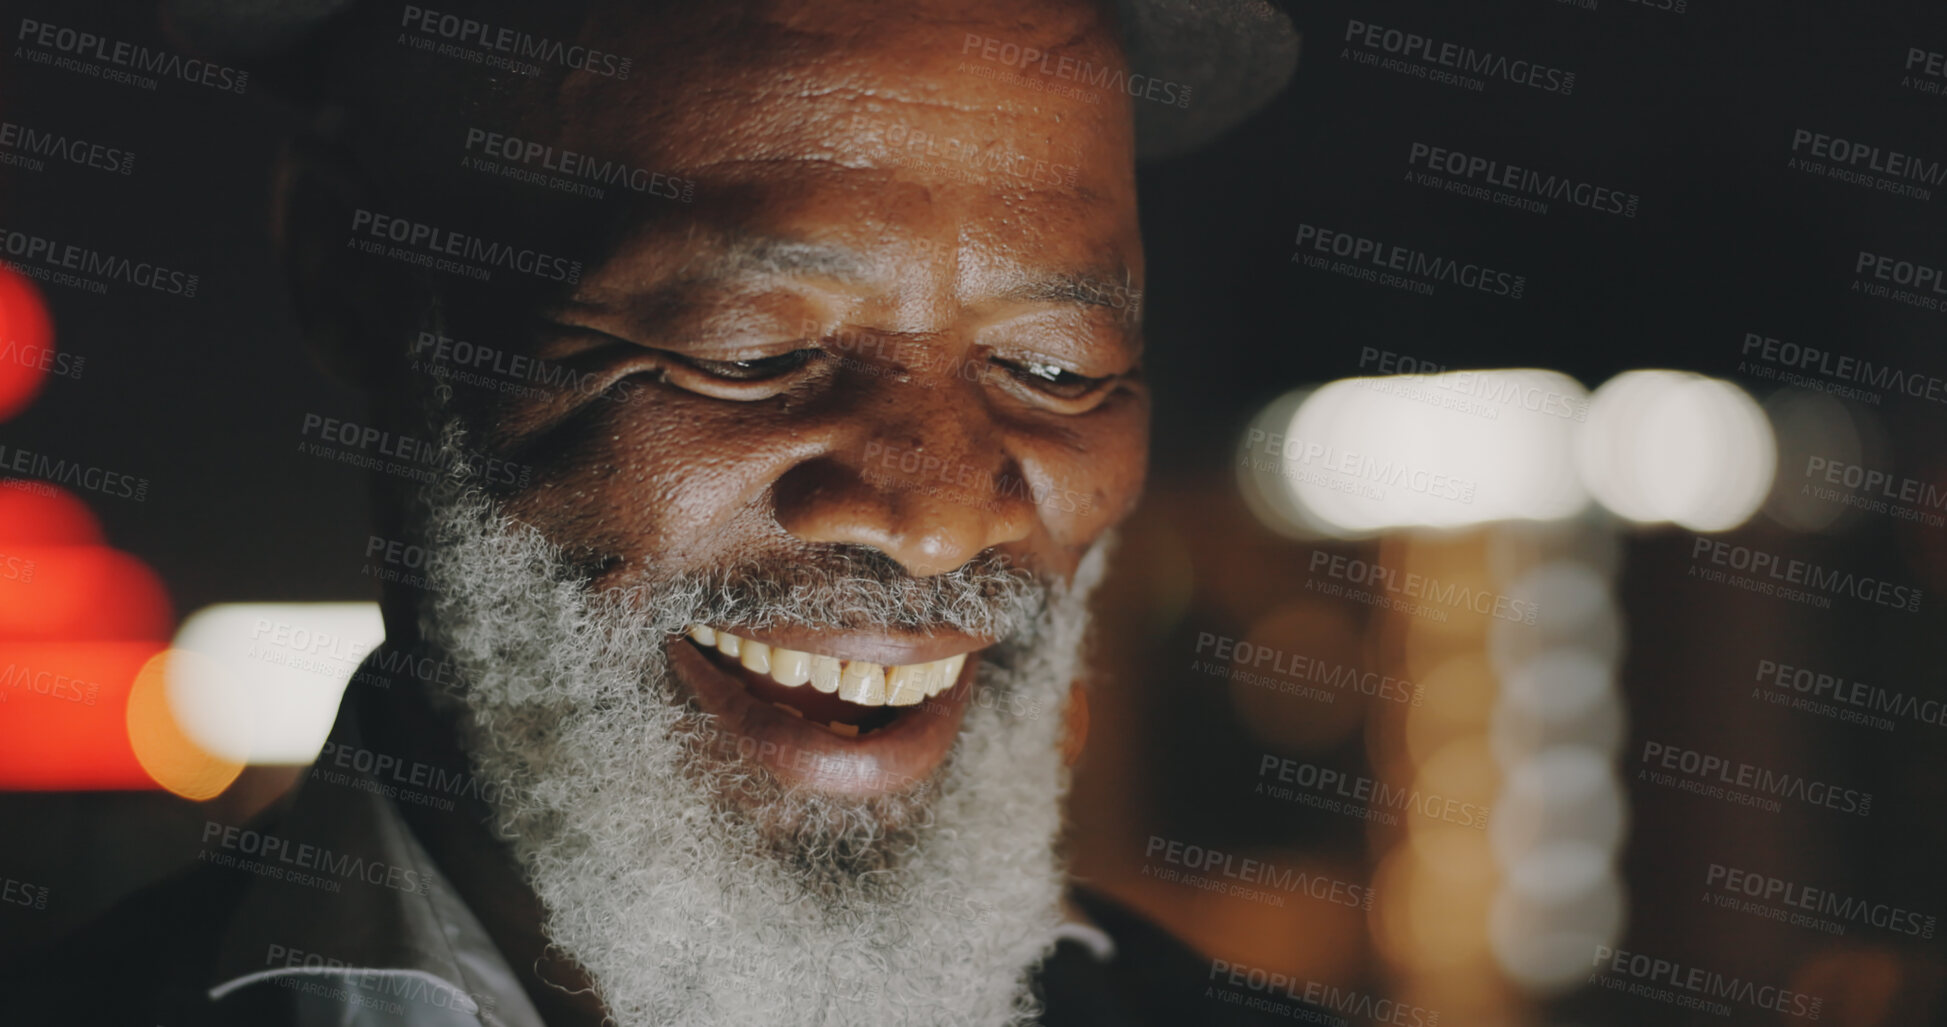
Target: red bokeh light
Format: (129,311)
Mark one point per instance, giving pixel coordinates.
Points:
(45,516)
(79,592)
(62,713)
(77,622)
(26,342)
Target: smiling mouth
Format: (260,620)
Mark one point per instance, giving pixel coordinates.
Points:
(849,698)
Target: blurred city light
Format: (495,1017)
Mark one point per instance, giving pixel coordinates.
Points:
(1445,450)
(171,758)
(266,678)
(26,342)
(1360,456)
(77,621)
(1677,447)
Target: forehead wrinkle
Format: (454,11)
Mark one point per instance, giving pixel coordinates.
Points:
(1083,288)
(748,254)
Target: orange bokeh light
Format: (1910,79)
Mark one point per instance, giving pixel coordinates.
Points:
(169,755)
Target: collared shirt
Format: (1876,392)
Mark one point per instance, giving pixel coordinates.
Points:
(362,927)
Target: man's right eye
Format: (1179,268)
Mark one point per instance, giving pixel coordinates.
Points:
(759,369)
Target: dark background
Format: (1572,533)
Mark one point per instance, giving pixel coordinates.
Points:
(1692,111)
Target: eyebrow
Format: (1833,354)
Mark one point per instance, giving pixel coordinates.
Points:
(1108,289)
(736,254)
(744,254)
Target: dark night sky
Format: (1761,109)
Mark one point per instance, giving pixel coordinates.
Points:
(1694,113)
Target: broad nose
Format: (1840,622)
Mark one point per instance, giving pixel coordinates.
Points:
(930,491)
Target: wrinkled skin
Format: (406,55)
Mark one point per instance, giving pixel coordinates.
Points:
(929,265)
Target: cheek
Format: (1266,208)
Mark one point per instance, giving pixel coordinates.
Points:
(658,476)
(1091,477)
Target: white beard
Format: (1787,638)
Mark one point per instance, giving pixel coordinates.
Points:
(695,889)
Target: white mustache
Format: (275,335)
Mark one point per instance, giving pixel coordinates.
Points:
(851,587)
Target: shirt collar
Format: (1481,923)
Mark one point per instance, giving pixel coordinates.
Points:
(364,911)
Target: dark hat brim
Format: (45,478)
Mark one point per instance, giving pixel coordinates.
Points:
(1197,68)
(1232,57)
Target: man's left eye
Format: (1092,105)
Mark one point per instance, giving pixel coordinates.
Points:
(758,370)
(1053,379)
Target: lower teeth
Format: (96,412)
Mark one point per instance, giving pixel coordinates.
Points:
(873,721)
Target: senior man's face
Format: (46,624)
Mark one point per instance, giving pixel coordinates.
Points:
(898,318)
(809,543)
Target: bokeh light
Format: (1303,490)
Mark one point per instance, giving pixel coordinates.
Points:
(169,756)
(266,685)
(1677,447)
(26,342)
(1362,455)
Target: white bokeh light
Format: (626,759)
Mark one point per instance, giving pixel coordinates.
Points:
(1677,447)
(268,688)
(1363,455)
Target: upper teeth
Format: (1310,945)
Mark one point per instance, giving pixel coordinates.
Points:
(855,681)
